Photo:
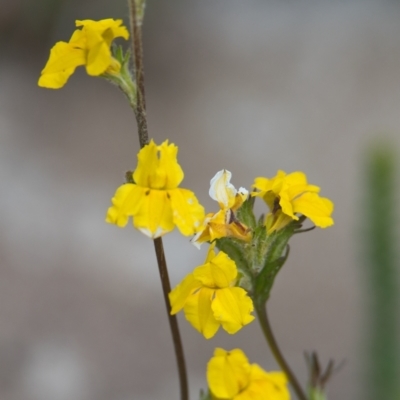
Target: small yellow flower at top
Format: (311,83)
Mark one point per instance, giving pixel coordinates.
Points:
(289,194)
(210,299)
(230,376)
(224,222)
(154,200)
(89,46)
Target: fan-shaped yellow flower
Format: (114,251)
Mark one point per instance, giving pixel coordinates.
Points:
(230,376)
(210,299)
(154,200)
(224,222)
(89,46)
(290,194)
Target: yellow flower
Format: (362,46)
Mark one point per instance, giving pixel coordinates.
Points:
(154,200)
(230,376)
(210,299)
(224,222)
(89,46)
(290,194)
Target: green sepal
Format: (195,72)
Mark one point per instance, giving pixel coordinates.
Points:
(261,220)
(277,243)
(117,52)
(121,56)
(265,279)
(245,213)
(260,243)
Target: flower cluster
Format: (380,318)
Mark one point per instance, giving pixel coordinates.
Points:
(288,195)
(223,291)
(230,376)
(210,298)
(224,222)
(89,46)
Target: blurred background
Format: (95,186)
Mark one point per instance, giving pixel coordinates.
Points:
(251,86)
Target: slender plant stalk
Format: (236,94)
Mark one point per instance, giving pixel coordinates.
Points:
(136,17)
(173,322)
(269,336)
(136,8)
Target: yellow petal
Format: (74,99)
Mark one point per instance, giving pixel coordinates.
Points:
(232,307)
(198,312)
(201,237)
(277,221)
(61,64)
(239,231)
(318,209)
(168,162)
(270,198)
(181,292)
(158,167)
(219,272)
(154,216)
(296,178)
(241,196)
(78,39)
(125,203)
(272,385)
(227,373)
(211,252)
(262,184)
(188,214)
(221,381)
(278,182)
(108,28)
(286,204)
(98,53)
(147,165)
(218,224)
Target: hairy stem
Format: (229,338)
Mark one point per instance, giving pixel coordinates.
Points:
(269,336)
(136,8)
(136,17)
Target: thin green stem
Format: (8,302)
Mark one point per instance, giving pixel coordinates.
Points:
(269,336)
(136,8)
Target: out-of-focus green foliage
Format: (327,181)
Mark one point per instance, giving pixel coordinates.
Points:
(381,270)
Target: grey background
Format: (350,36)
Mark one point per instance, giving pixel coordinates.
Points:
(250,86)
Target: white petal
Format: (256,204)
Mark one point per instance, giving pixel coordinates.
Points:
(243,191)
(194,241)
(221,189)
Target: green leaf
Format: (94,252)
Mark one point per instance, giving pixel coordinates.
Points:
(265,279)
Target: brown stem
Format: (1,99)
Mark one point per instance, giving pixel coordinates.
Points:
(269,336)
(140,111)
(136,17)
(162,266)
